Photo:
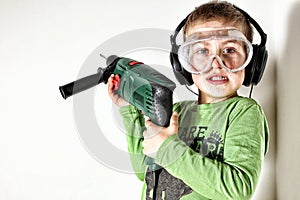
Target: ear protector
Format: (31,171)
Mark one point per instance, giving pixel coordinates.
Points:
(253,71)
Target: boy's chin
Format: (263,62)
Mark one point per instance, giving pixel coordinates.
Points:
(217,96)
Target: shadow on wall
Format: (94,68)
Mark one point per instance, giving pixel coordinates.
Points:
(288,138)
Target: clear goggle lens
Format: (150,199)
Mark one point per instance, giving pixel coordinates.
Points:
(227,46)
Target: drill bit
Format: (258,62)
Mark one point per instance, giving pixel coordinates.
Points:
(103,56)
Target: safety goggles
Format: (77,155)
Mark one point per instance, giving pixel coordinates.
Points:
(228,46)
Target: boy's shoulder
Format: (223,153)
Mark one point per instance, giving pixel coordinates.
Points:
(246,102)
(234,102)
(183,104)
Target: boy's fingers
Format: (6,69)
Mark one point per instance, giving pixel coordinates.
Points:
(148,130)
(110,82)
(148,123)
(151,129)
(174,119)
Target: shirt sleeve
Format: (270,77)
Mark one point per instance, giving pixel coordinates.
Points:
(236,176)
(134,124)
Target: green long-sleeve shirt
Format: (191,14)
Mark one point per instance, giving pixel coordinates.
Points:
(217,153)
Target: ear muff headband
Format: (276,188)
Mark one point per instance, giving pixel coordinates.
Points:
(183,77)
(253,71)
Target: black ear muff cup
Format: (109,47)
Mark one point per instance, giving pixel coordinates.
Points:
(255,69)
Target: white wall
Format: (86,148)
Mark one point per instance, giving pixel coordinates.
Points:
(288,96)
(43,44)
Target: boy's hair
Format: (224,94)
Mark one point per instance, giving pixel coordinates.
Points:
(221,11)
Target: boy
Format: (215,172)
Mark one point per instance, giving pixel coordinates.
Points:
(213,148)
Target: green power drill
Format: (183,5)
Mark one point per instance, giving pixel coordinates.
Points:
(140,85)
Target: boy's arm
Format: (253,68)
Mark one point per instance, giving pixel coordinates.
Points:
(134,124)
(233,178)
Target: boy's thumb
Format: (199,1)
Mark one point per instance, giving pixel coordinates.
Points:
(174,119)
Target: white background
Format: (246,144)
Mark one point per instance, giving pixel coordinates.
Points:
(43,44)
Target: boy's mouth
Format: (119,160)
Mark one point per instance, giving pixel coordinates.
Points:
(218,79)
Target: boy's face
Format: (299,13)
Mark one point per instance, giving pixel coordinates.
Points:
(216,84)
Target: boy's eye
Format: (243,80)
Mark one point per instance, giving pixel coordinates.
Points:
(228,50)
(202,51)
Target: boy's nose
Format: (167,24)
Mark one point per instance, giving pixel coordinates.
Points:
(215,64)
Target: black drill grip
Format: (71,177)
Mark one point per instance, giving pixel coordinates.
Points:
(81,84)
(162,112)
(163,105)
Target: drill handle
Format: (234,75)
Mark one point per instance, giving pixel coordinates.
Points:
(163,105)
(162,112)
(87,82)
(81,84)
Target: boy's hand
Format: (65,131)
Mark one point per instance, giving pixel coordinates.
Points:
(114,84)
(155,135)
